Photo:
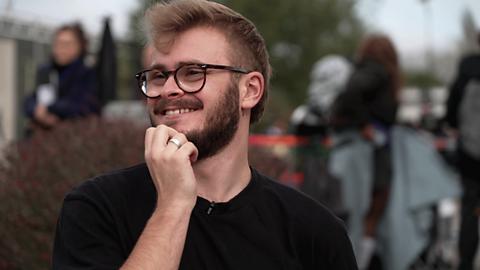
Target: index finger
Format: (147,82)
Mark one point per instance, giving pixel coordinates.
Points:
(148,137)
(159,136)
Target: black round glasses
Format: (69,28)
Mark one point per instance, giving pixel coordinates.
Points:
(190,78)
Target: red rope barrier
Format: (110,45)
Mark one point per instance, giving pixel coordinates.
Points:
(441,144)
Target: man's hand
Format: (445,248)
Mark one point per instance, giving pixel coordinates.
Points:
(368,132)
(161,244)
(453,132)
(44,117)
(170,167)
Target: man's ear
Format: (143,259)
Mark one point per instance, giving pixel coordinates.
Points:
(251,89)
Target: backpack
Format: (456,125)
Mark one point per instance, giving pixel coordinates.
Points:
(469,119)
(328,78)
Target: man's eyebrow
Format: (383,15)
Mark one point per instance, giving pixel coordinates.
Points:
(182,63)
(157,66)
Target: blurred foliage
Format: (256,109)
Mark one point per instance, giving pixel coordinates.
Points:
(269,162)
(297,33)
(128,63)
(421,79)
(37,173)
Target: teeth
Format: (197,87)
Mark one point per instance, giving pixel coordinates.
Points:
(172,112)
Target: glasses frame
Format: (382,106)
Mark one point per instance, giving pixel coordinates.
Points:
(204,67)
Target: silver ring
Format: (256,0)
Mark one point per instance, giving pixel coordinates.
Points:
(176,142)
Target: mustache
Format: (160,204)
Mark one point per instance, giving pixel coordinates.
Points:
(162,104)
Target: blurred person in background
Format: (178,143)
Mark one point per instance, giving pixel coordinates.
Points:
(463,116)
(66,87)
(329,77)
(369,105)
(391,177)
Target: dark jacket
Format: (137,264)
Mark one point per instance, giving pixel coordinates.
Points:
(468,69)
(76,89)
(368,96)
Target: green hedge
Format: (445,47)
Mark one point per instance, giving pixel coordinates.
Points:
(37,173)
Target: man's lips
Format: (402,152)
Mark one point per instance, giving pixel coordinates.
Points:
(177,111)
(166,107)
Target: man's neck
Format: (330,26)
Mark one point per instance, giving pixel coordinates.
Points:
(223,176)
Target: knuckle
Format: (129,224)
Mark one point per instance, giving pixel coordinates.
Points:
(190,145)
(182,137)
(163,127)
(149,156)
(150,129)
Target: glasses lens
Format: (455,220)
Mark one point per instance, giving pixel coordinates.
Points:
(190,78)
(151,81)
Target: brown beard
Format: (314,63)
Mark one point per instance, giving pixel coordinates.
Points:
(220,126)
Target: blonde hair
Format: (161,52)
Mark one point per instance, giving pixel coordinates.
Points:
(247,48)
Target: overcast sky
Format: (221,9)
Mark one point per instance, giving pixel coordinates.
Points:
(404,20)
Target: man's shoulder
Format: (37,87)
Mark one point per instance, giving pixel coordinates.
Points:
(313,226)
(295,203)
(114,184)
(282,191)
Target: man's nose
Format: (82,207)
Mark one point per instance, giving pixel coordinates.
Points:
(171,90)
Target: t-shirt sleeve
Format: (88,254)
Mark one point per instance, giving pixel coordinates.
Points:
(85,236)
(335,243)
(344,257)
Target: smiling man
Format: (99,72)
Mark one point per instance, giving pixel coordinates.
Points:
(196,203)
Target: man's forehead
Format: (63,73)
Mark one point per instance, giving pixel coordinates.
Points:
(161,66)
(205,45)
(159,60)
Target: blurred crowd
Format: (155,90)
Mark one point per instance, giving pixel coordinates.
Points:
(393,181)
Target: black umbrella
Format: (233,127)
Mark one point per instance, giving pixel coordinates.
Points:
(107,66)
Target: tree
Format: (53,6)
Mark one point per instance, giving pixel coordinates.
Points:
(424,80)
(297,33)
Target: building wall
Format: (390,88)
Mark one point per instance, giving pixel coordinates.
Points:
(23,47)
(30,56)
(8,95)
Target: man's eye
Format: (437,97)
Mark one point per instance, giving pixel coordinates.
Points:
(158,75)
(193,72)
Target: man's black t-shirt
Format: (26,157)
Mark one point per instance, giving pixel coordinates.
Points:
(266,226)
